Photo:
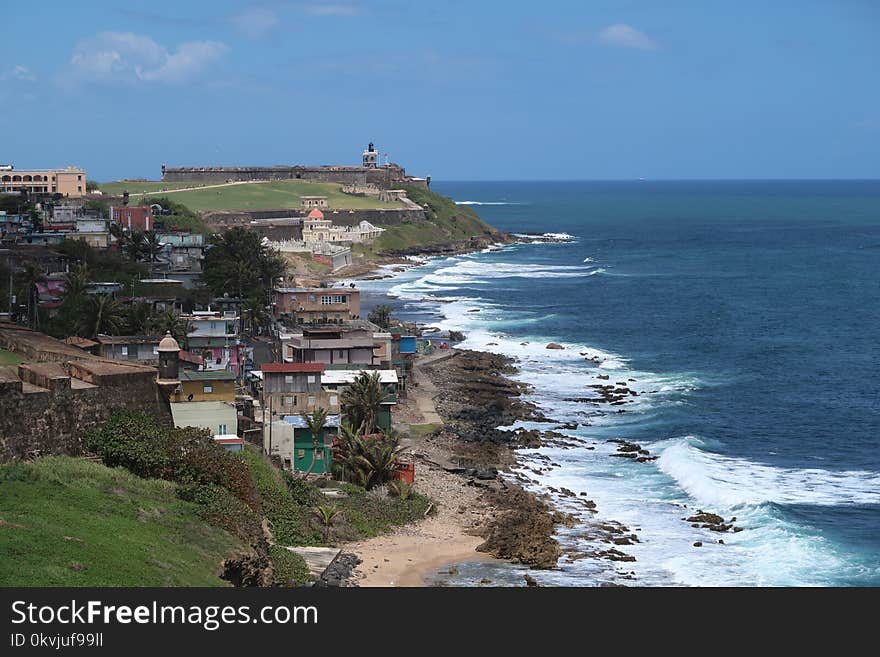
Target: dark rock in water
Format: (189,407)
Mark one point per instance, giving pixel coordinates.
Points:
(629,447)
(737,529)
(554,345)
(707,518)
(698,544)
(627,455)
(721,541)
(485,580)
(604,377)
(474,310)
(530,581)
(646,459)
(530,438)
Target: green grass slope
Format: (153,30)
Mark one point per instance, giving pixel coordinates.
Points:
(446,223)
(71,522)
(251,196)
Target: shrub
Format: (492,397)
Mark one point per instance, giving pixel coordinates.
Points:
(221,508)
(290,568)
(399,488)
(187,456)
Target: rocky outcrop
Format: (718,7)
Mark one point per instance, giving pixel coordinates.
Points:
(522,530)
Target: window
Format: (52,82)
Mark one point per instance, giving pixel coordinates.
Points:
(300,453)
(340,353)
(124,350)
(311,400)
(311,378)
(288,378)
(288,400)
(334,400)
(79,188)
(222,429)
(340,298)
(155,350)
(207,388)
(319,455)
(313,298)
(326,300)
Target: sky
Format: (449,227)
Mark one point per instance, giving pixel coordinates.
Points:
(458,90)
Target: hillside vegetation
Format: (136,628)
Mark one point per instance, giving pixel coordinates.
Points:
(250,196)
(71,522)
(446,223)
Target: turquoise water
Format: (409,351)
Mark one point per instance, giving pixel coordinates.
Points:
(748,314)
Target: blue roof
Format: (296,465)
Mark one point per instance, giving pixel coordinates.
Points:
(297,421)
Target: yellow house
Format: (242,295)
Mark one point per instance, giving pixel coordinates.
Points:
(218,385)
(69,182)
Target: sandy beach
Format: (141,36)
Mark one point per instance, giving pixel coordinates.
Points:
(469,511)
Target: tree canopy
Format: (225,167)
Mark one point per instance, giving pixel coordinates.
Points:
(238,263)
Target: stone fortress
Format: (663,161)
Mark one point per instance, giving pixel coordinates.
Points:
(371,173)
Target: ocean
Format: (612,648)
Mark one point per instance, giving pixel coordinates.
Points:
(746,315)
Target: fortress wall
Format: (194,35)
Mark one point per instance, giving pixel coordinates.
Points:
(56,421)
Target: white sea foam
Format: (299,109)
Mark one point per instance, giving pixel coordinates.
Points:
(724,481)
(651,497)
(547,236)
(487,203)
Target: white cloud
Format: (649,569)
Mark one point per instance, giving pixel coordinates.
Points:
(128,57)
(255,21)
(18,72)
(330,9)
(626,36)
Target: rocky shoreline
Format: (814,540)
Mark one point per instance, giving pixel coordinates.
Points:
(476,396)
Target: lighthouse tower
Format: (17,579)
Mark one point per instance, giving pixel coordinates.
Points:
(371,157)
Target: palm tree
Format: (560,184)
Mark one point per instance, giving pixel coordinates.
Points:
(362,401)
(151,247)
(325,515)
(32,273)
(381,316)
(102,315)
(256,312)
(76,280)
(315,421)
(367,461)
(171,321)
(133,246)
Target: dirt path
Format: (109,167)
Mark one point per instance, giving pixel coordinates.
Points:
(189,189)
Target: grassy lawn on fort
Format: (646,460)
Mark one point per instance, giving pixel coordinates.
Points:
(9,358)
(70,522)
(252,196)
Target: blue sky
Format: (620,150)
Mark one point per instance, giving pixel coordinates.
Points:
(457,90)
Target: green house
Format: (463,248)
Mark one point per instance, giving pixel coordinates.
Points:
(304,446)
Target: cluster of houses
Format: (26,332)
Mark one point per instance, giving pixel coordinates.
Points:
(243,389)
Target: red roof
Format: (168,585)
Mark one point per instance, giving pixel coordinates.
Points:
(316,214)
(292,368)
(187,357)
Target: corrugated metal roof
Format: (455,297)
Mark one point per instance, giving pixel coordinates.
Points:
(299,422)
(292,368)
(347,376)
(206,375)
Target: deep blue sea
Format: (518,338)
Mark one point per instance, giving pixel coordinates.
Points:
(748,314)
